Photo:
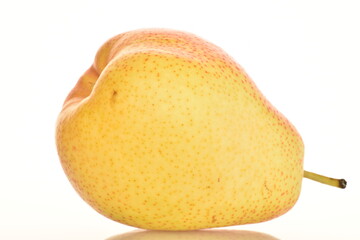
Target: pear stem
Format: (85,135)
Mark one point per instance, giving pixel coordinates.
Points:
(340,183)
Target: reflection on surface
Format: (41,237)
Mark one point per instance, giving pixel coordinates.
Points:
(193,235)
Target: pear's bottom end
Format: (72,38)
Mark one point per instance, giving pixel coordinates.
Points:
(188,225)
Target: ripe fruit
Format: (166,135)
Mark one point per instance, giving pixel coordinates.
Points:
(166,131)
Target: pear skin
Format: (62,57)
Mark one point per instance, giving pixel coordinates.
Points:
(166,131)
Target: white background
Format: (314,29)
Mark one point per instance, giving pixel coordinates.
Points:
(303,55)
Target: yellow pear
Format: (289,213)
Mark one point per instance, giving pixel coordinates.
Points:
(166,131)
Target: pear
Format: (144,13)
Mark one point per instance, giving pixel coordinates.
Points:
(166,131)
